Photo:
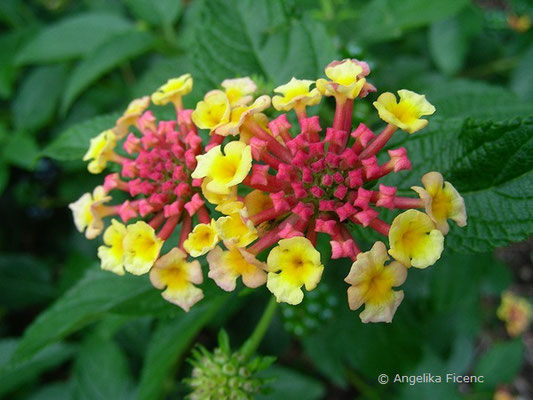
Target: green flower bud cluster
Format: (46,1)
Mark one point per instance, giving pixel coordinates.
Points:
(225,375)
(317,307)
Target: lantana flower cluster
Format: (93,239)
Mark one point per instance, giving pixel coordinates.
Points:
(262,188)
(516,312)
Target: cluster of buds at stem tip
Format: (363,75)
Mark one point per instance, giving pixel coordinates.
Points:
(258,184)
(225,374)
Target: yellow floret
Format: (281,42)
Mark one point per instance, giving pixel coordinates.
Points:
(173,90)
(213,111)
(414,240)
(101,150)
(131,115)
(291,265)
(295,93)
(344,79)
(239,115)
(226,266)
(372,282)
(406,113)
(203,238)
(86,212)
(217,198)
(441,201)
(112,254)
(173,273)
(239,90)
(141,248)
(225,170)
(237,228)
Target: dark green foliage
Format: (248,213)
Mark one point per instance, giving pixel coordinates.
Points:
(490,163)
(68,69)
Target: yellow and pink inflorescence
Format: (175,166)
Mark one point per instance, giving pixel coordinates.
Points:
(260,184)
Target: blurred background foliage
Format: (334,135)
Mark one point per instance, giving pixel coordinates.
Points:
(68,68)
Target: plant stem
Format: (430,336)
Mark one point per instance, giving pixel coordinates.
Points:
(250,346)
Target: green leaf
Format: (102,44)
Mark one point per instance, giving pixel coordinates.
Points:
(290,384)
(447,45)
(465,98)
(434,365)
(489,163)
(97,293)
(9,43)
(497,278)
(14,374)
(522,78)
(21,150)
(101,371)
(72,37)
(110,54)
(25,280)
(52,391)
(14,13)
(161,12)
(168,344)
(381,343)
(500,363)
(36,100)
(454,284)
(247,37)
(449,39)
(73,143)
(388,19)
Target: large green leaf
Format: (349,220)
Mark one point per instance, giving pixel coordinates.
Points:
(21,150)
(168,344)
(290,384)
(490,164)
(101,371)
(161,12)
(73,143)
(434,365)
(239,38)
(13,374)
(111,53)
(97,293)
(500,363)
(25,280)
(37,97)
(389,19)
(72,37)
(466,98)
(449,40)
